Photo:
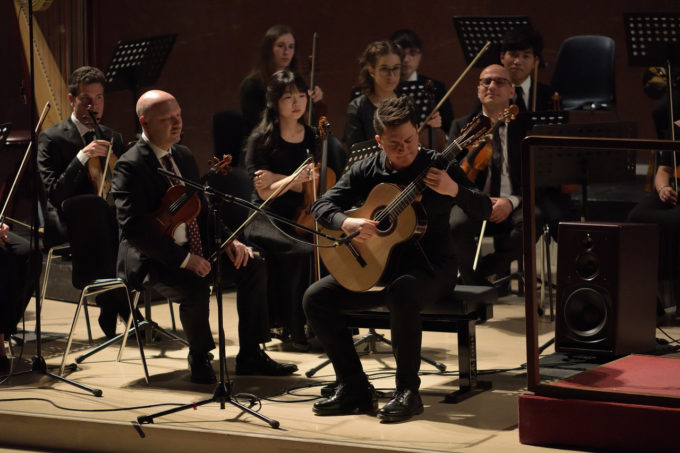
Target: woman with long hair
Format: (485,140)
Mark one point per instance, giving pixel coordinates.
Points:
(276,52)
(275,149)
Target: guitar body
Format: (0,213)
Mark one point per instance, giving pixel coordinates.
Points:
(360,266)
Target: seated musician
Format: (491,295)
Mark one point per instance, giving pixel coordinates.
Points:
(275,149)
(413,55)
(423,273)
(378,78)
(64,154)
(175,266)
(276,52)
(501,180)
(19,269)
(661,207)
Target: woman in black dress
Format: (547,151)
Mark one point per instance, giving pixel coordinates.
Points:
(276,52)
(275,149)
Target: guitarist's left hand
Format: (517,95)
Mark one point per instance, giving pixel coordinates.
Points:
(366,228)
(440,181)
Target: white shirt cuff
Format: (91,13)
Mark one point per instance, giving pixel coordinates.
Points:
(82,157)
(185,262)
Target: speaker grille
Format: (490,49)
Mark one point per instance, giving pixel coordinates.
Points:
(585,313)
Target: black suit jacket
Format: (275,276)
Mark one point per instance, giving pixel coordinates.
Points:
(63,175)
(516,132)
(138,190)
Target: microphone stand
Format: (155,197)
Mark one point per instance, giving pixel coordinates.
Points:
(223,391)
(39,365)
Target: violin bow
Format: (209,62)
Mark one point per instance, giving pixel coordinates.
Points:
(21,169)
(455,84)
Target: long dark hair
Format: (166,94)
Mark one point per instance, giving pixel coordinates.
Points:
(264,59)
(370,57)
(266,134)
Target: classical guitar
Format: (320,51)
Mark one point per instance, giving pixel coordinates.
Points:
(360,266)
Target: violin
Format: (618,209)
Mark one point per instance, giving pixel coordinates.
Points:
(434,137)
(311,190)
(181,204)
(479,156)
(320,106)
(100,178)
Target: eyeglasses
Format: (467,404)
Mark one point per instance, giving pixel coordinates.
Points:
(386,71)
(500,81)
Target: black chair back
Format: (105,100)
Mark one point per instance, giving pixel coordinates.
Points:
(584,71)
(229,134)
(93,232)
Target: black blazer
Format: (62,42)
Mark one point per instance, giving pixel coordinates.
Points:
(63,175)
(138,190)
(516,132)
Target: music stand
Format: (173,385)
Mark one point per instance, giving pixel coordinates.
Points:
(474,32)
(138,63)
(653,39)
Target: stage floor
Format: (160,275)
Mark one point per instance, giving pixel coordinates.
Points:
(42,414)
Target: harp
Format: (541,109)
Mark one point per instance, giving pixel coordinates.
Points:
(62,41)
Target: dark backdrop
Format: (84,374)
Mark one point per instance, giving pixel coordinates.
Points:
(217,40)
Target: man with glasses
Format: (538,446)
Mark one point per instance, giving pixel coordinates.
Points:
(500,180)
(422,274)
(413,54)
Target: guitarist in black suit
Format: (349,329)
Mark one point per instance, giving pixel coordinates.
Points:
(175,266)
(64,151)
(424,272)
(501,180)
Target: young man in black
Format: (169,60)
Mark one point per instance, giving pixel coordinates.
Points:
(425,269)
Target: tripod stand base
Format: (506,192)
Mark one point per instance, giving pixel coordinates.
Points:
(40,366)
(221,395)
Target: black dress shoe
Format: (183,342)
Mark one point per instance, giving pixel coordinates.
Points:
(4,364)
(107,321)
(348,400)
(201,369)
(260,364)
(403,405)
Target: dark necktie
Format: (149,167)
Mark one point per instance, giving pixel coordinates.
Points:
(88,137)
(519,99)
(496,164)
(192,225)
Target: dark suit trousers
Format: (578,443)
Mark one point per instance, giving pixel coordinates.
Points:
(507,243)
(326,301)
(193,294)
(19,269)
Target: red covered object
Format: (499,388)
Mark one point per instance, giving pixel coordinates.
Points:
(603,425)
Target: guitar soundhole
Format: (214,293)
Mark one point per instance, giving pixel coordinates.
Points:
(385,227)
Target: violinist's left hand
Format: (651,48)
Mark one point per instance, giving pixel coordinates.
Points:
(316,94)
(435,121)
(500,209)
(440,181)
(239,254)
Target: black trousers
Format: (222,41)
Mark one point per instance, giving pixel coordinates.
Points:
(326,301)
(507,242)
(193,294)
(19,269)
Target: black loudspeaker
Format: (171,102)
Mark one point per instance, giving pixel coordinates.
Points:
(606,288)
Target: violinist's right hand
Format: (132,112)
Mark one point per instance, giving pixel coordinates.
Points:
(366,228)
(668,195)
(309,173)
(198,265)
(435,121)
(96,148)
(4,237)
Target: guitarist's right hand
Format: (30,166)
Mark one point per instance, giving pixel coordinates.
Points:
(366,228)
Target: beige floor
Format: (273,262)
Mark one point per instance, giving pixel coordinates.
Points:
(484,423)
